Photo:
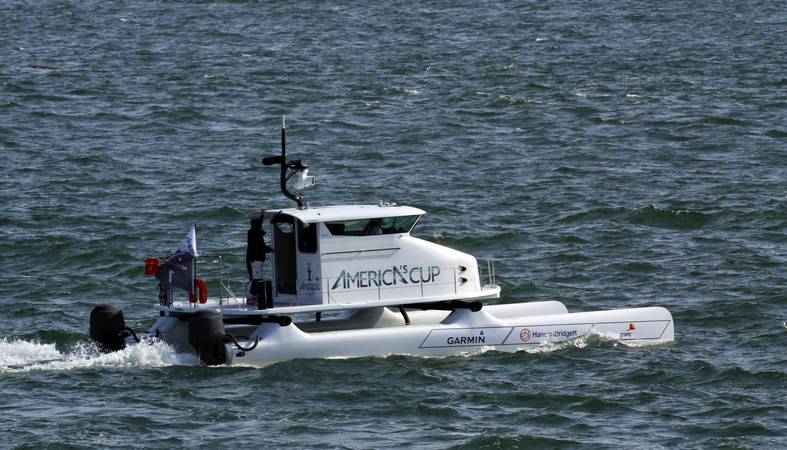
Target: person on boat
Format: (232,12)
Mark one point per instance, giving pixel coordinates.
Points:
(375,227)
(256,250)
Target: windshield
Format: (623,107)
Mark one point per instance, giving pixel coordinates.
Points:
(370,227)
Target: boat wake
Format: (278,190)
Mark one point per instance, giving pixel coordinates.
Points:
(592,339)
(17,355)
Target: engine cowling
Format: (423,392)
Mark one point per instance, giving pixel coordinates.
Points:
(206,335)
(107,328)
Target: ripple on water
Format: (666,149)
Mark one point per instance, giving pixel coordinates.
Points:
(654,216)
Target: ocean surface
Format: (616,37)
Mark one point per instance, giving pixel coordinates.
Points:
(605,154)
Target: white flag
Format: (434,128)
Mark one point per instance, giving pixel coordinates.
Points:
(189,243)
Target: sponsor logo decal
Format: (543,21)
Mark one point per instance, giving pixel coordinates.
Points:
(627,333)
(310,287)
(394,276)
(467,340)
(525,335)
(465,337)
(565,334)
(539,334)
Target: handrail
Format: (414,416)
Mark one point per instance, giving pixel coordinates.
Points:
(213,266)
(363,251)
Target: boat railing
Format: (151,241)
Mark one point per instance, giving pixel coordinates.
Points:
(212,269)
(487,271)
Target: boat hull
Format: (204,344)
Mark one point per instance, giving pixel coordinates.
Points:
(381,332)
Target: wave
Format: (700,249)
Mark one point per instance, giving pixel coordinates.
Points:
(654,216)
(18,355)
(489,440)
(592,339)
(718,120)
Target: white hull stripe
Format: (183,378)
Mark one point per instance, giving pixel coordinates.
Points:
(539,334)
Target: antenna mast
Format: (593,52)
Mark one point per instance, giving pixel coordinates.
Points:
(298,169)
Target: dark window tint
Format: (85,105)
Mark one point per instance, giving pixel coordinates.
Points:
(307,237)
(368,227)
(284,227)
(284,247)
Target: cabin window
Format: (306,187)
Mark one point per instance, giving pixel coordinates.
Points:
(284,250)
(285,227)
(307,237)
(374,226)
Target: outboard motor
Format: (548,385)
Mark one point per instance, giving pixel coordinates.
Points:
(108,328)
(206,335)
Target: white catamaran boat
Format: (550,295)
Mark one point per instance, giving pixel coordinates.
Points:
(385,292)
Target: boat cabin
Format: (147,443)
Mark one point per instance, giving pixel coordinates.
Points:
(362,254)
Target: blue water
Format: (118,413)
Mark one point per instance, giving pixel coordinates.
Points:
(607,155)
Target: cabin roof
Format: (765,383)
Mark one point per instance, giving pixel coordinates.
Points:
(346,212)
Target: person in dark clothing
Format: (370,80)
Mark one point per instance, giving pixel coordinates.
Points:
(256,249)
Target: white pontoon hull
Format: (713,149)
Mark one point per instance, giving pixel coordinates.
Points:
(509,327)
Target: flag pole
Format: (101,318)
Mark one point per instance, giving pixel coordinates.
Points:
(194,267)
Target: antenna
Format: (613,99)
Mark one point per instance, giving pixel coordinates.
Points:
(283,138)
(299,170)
